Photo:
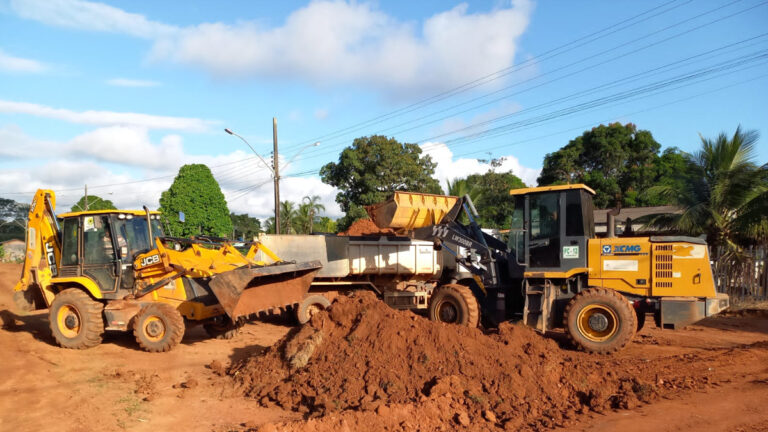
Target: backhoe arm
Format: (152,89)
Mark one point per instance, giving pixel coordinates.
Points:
(43,253)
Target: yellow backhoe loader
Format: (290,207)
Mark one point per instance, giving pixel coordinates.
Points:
(116,270)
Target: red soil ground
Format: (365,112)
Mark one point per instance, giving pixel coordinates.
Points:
(377,369)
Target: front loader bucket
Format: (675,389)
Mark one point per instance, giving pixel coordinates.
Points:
(251,290)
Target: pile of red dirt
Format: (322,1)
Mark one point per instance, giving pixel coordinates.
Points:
(363,362)
(363,227)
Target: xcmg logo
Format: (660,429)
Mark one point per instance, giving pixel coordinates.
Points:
(620,249)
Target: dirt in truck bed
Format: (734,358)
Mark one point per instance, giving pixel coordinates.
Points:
(366,227)
(363,366)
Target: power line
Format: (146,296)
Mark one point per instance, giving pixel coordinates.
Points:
(500,73)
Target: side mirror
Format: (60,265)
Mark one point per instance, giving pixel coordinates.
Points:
(181,217)
(123,251)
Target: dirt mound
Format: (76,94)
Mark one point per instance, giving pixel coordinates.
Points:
(362,355)
(363,227)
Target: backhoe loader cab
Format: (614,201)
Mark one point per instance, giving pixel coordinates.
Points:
(102,246)
(116,270)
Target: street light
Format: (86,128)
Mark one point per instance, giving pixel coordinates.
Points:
(276,169)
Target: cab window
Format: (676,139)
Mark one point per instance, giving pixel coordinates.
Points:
(97,240)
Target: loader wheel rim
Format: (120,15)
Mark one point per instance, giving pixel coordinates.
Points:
(447,312)
(154,328)
(68,320)
(597,323)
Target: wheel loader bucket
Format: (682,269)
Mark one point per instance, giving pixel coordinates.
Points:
(253,289)
(410,210)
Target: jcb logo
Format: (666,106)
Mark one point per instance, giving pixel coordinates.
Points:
(51,258)
(148,261)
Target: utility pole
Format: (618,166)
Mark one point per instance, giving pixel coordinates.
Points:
(276,172)
(86,197)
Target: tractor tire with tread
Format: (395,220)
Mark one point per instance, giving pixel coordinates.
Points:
(76,320)
(600,320)
(454,304)
(224,330)
(311,305)
(158,327)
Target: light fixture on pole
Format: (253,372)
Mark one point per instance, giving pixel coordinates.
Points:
(275,169)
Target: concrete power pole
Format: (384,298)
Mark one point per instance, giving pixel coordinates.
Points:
(86,197)
(276,170)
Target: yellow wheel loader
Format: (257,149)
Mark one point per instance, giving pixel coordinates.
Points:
(116,270)
(554,272)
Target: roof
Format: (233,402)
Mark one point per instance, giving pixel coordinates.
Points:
(523,191)
(98,212)
(601,216)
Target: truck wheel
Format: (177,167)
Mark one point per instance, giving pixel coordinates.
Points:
(223,328)
(454,304)
(600,320)
(76,319)
(310,306)
(158,327)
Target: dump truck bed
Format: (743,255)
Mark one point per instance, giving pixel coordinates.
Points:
(344,257)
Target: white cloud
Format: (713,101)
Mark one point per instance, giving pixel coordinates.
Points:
(325,42)
(85,15)
(10,63)
(321,113)
(107,118)
(449,168)
(115,155)
(128,146)
(125,82)
(331,42)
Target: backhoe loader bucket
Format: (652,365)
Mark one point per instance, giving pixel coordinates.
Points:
(254,289)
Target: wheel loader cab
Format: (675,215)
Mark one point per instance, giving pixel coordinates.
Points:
(103,245)
(550,229)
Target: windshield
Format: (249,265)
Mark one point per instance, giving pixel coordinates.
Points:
(132,233)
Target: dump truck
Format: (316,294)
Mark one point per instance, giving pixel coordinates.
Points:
(552,272)
(116,270)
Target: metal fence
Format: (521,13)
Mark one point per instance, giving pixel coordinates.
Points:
(743,278)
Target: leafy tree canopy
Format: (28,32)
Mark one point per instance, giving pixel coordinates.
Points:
(245,226)
(618,161)
(493,203)
(196,193)
(94,203)
(372,169)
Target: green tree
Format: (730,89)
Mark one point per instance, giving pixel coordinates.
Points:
(372,169)
(245,226)
(196,193)
(494,204)
(307,214)
(287,217)
(94,203)
(617,161)
(722,194)
(325,225)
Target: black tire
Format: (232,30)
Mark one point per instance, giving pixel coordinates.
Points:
(158,327)
(223,328)
(600,320)
(454,304)
(310,306)
(76,319)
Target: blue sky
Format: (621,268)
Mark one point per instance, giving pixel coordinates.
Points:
(118,95)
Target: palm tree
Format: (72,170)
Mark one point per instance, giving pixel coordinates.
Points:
(287,216)
(723,196)
(311,205)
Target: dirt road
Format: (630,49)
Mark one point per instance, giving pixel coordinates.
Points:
(115,386)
